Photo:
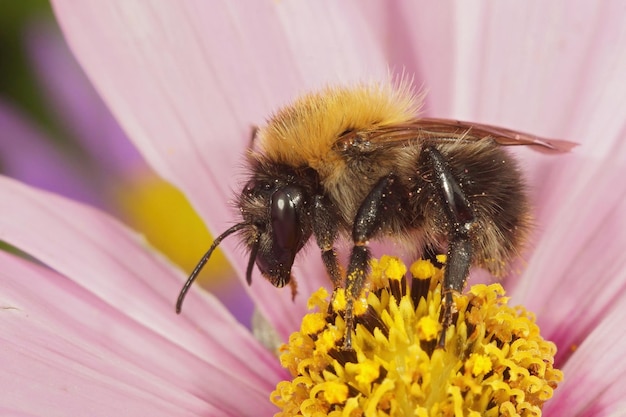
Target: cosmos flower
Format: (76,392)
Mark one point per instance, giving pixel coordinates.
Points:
(188,80)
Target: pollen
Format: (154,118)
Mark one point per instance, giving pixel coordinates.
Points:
(494,362)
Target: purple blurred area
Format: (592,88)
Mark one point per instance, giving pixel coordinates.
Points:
(75,102)
(28,154)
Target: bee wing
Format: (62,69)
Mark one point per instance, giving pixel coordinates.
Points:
(445,130)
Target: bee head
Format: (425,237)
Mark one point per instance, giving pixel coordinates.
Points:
(280,227)
(276,224)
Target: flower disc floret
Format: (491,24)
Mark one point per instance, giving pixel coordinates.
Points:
(494,362)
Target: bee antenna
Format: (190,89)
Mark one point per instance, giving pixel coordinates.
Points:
(200,265)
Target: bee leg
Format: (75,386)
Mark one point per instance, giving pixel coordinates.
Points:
(325,221)
(367,223)
(461,218)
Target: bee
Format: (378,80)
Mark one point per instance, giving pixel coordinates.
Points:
(358,162)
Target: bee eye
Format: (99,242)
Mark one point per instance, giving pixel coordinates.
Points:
(284,218)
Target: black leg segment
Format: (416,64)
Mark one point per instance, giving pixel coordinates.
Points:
(326,231)
(366,224)
(460,218)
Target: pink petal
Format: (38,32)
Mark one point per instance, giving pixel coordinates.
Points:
(108,260)
(66,352)
(594,375)
(419,40)
(557,68)
(575,271)
(188,80)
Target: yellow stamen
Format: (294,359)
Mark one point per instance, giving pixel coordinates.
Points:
(423,269)
(494,361)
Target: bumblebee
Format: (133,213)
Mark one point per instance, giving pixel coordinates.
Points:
(358,162)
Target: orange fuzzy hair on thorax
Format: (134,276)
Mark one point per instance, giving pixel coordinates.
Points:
(303,133)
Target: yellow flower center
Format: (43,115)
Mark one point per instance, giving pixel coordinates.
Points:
(494,363)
